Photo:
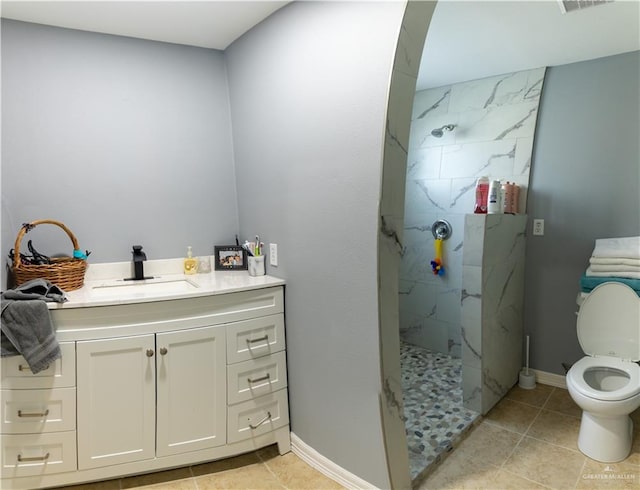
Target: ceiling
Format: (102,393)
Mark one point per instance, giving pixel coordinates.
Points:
(208,24)
(467,40)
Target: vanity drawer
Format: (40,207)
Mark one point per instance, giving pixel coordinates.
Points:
(15,373)
(34,411)
(38,454)
(257,416)
(255,338)
(256,377)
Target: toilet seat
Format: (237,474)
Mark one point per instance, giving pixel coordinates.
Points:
(609,322)
(576,377)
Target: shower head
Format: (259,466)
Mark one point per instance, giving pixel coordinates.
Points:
(440,131)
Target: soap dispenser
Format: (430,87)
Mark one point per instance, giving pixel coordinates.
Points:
(190,264)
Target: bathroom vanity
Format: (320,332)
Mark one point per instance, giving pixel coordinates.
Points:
(150,378)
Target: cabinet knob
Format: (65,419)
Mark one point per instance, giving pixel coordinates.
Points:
(163,350)
(149,352)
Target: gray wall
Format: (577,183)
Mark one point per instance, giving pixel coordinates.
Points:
(131,142)
(585,183)
(125,141)
(308,95)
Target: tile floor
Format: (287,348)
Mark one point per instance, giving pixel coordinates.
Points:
(528,441)
(258,470)
(435,418)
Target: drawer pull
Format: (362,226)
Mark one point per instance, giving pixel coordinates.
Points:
(268,417)
(35,458)
(253,341)
(23,368)
(40,414)
(257,380)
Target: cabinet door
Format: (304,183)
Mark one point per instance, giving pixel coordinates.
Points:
(191,389)
(116,400)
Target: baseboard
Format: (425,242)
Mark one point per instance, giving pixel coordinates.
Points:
(550,379)
(327,467)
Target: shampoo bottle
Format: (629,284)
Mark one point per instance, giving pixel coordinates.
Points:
(190,264)
(482,194)
(516,199)
(494,205)
(507,198)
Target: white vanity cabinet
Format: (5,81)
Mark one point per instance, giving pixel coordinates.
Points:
(38,424)
(152,386)
(257,377)
(128,386)
(116,401)
(191,380)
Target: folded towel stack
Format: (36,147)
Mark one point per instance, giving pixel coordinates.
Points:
(613,260)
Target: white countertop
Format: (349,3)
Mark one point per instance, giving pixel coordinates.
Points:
(104,284)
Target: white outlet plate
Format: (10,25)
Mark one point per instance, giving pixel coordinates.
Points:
(273,254)
(538,227)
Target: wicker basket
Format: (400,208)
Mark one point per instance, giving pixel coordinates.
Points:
(67,273)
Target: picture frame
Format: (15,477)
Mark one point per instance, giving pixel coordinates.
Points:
(230,258)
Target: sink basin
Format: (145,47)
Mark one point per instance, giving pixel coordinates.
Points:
(156,286)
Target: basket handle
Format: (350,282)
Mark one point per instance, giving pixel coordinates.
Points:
(26,227)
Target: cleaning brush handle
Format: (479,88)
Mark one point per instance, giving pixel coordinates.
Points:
(527,357)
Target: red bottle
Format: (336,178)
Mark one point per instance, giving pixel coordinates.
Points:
(482,195)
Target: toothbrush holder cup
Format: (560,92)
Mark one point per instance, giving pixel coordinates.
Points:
(256,265)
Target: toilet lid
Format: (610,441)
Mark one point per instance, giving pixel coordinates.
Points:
(609,322)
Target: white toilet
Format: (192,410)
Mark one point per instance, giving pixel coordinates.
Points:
(606,383)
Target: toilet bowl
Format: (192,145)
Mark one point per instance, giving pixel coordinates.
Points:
(606,383)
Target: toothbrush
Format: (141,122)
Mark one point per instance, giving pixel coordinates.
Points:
(247,246)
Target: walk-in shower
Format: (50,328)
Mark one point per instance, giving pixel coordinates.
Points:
(435,418)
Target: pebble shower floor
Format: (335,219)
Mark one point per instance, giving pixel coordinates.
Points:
(434,416)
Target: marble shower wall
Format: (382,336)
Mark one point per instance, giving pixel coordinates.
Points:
(495,122)
(394,169)
(492,307)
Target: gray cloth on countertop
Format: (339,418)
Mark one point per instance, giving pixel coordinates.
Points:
(26,326)
(36,289)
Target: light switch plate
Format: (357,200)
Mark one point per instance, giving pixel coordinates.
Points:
(273,254)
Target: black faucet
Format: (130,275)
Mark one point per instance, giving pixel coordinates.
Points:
(138,258)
